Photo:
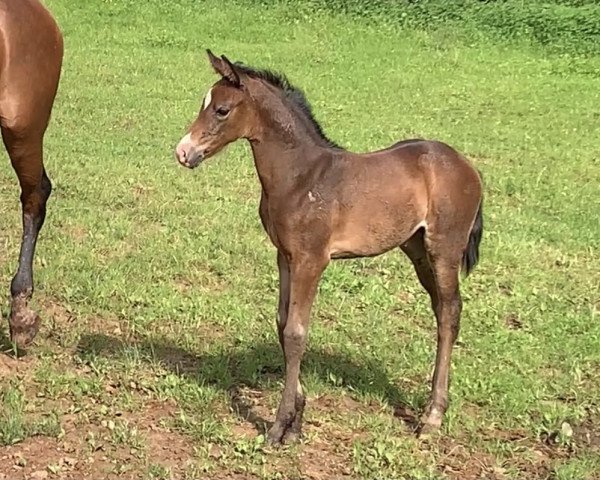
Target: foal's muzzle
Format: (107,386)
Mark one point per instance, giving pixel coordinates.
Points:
(188,154)
(190,159)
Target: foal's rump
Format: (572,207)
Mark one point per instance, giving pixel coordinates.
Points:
(454,197)
(386,196)
(392,193)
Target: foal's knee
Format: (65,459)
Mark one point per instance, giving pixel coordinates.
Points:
(294,333)
(294,336)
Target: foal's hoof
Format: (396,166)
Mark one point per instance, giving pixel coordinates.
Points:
(426,430)
(431,422)
(278,436)
(275,436)
(24,324)
(291,436)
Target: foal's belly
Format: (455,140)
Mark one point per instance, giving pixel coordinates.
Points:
(371,238)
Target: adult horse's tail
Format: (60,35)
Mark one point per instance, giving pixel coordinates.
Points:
(471,255)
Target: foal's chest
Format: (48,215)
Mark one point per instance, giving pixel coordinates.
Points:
(267,222)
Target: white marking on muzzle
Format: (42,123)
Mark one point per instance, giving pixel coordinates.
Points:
(187,138)
(207,99)
(183,147)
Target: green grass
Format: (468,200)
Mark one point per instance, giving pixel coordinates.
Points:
(158,286)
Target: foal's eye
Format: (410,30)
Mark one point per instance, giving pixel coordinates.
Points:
(222,112)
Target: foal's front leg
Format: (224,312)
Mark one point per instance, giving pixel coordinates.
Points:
(293,431)
(304,275)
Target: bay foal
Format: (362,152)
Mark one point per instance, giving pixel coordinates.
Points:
(320,202)
(31,52)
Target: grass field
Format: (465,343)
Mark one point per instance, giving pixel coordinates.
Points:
(158,355)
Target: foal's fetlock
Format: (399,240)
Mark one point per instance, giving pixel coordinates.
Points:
(294,432)
(24,323)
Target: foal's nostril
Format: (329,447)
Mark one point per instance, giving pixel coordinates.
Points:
(180,153)
(184,149)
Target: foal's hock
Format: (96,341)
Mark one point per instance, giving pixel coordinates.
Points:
(321,202)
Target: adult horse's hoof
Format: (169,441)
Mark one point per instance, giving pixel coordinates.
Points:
(24,323)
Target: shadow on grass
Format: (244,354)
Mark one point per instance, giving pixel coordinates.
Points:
(233,368)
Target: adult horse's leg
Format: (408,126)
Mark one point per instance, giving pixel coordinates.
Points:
(24,147)
(305,273)
(32,54)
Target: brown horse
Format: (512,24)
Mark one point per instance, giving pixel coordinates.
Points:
(320,202)
(31,51)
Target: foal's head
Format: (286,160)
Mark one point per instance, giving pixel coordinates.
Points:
(249,103)
(226,115)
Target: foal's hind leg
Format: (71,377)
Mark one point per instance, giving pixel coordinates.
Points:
(446,268)
(438,270)
(414,248)
(25,150)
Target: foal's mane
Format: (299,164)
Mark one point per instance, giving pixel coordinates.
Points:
(294,94)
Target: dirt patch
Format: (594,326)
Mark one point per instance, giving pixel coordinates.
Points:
(513,321)
(62,318)
(340,405)
(317,459)
(325,460)
(251,407)
(121,449)
(165,447)
(587,433)
(39,457)
(532,457)
(13,367)
(459,461)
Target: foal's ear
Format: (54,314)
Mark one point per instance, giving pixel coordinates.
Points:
(224,68)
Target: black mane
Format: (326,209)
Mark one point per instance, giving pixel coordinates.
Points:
(291,92)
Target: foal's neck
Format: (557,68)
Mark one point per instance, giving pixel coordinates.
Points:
(287,147)
(281,165)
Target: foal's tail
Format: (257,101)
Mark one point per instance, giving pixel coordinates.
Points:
(471,255)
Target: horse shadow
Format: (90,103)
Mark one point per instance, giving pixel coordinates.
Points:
(232,369)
